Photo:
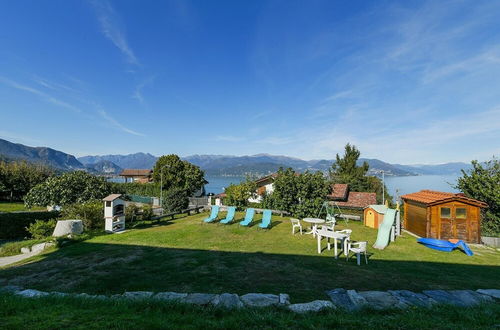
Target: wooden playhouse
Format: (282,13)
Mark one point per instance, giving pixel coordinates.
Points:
(443,215)
(373,215)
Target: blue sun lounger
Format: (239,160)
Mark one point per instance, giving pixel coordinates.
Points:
(266,219)
(213,214)
(229,216)
(248,217)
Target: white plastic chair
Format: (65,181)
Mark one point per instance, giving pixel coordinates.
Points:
(295,224)
(358,248)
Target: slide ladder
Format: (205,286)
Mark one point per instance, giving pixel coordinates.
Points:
(385,229)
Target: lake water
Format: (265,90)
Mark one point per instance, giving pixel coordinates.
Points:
(404,184)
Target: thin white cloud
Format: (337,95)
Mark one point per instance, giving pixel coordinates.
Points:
(114,123)
(53,85)
(227,138)
(113,30)
(138,95)
(34,91)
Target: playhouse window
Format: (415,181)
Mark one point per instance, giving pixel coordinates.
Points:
(108,203)
(445,212)
(461,213)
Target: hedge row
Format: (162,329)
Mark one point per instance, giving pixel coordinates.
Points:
(13,224)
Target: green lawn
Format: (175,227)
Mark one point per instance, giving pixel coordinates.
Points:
(78,313)
(11,207)
(187,256)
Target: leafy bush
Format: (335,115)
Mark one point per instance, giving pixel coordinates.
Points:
(69,188)
(13,225)
(147,212)
(175,200)
(18,177)
(131,212)
(135,188)
(238,194)
(41,229)
(174,172)
(91,213)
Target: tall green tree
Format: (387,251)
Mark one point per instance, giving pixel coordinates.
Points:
(346,170)
(482,182)
(173,172)
(299,194)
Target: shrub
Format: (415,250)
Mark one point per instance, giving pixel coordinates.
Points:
(238,194)
(131,212)
(41,229)
(147,212)
(13,224)
(175,200)
(91,213)
(69,188)
(135,188)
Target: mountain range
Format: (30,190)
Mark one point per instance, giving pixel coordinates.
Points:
(213,165)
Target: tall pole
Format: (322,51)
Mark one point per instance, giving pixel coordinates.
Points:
(383,187)
(161,186)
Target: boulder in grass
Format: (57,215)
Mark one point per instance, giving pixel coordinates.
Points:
(260,299)
(313,306)
(201,299)
(382,300)
(495,293)
(29,293)
(68,227)
(170,296)
(284,299)
(469,297)
(137,294)
(228,300)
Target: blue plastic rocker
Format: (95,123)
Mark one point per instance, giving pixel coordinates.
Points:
(266,219)
(248,217)
(229,216)
(213,214)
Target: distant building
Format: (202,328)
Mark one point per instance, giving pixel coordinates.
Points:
(265,185)
(351,199)
(137,175)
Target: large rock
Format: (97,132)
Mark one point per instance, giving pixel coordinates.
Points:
(412,298)
(200,298)
(357,300)
(284,299)
(31,293)
(37,248)
(490,292)
(469,297)
(443,297)
(25,250)
(170,296)
(313,306)
(68,227)
(382,300)
(341,299)
(228,300)
(260,299)
(138,294)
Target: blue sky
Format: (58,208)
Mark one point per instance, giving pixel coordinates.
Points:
(406,81)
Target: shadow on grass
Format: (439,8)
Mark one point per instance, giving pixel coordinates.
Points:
(115,268)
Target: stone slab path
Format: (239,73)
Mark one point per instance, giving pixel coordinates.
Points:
(5,261)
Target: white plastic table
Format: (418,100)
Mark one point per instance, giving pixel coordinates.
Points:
(342,235)
(315,222)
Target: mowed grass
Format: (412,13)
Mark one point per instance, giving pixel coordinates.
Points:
(12,207)
(186,255)
(79,313)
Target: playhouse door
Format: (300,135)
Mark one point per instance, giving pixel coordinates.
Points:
(446,221)
(460,215)
(370,219)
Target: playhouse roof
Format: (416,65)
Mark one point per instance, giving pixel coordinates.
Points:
(339,191)
(431,197)
(111,197)
(136,172)
(378,208)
